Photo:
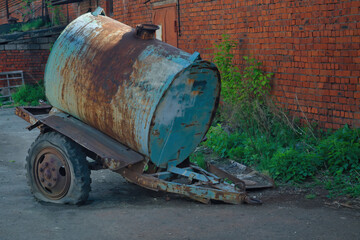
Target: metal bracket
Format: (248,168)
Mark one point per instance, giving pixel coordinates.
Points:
(195,56)
(188,172)
(98,11)
(192,175)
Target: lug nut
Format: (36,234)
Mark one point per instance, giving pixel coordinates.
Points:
(53,169)
(41,169)
(54,179)
(49,184)
(46,164)
(42,180)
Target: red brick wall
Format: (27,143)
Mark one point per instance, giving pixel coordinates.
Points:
(13,5)
(73,10)
(312,46)
(32,62)
(16,8)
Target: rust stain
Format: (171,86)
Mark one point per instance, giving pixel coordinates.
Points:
(156,133)
(190,81)
(195,93)
(98,80)
(102,79)
(188,125)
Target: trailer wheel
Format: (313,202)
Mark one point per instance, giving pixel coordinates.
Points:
(57,170)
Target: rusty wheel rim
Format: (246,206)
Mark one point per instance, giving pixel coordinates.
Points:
(52,173)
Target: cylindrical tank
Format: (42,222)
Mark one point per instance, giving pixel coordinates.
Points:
(148,95)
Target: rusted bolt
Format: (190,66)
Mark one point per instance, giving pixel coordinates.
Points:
(41,169)
(48,174)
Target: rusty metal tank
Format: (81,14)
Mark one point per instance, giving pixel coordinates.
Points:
(152,97)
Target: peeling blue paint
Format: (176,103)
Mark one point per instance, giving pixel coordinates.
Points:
(165,102)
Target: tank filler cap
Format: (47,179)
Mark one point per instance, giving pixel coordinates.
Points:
(146,31)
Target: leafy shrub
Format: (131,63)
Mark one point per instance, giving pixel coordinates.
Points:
(341,153)
(285,164)
(220,141)
(343,185)
(237,87)
(29,94)
(336,155)
(199,159)
(35,24)
(31,25)
(292,165)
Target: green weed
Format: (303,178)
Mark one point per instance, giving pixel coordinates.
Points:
(292,165)
(35,24)
(341,154)
(199,159)
(310,196)
(31,25)
(29,95)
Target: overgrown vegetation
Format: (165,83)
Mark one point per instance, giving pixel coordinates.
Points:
(31,25)
(31,22)
(29,95)
(251,129)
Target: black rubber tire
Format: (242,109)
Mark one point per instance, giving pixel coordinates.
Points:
(79,188)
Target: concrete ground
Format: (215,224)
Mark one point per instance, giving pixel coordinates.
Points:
(119,210)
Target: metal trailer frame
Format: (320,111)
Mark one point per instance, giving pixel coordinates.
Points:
(186,179)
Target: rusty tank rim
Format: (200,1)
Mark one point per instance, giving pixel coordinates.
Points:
(52,173)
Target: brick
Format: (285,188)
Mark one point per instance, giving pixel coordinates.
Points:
(22,46)
(42,40)
(45,46)
(34,46)
(10,47)
(310,54)
(357,115)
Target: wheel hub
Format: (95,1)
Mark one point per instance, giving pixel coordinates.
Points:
(52,173)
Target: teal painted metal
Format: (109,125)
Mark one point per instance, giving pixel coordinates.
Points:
(148,95)
(189,173)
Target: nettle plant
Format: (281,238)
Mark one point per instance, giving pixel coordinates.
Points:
(239,86)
